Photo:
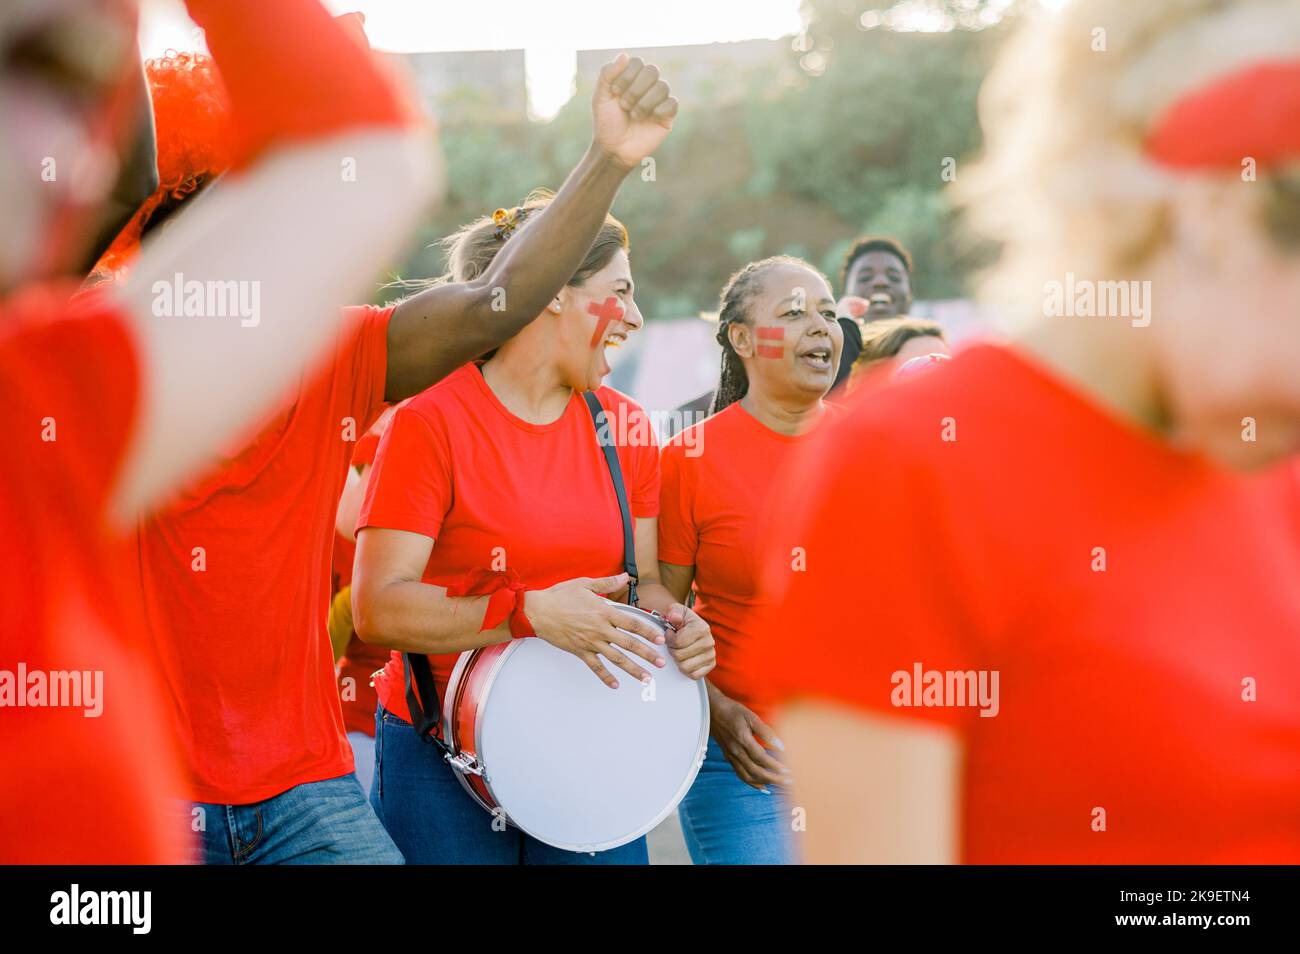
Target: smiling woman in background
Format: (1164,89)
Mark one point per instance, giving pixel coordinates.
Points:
(780,344)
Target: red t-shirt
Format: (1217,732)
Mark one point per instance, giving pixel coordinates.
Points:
(74,789)
(495,491)
(236,576)
(718,478)
(359,661)
(1138,604)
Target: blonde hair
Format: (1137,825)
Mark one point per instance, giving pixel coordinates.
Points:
(1063,184)
(882,340)
(471,248)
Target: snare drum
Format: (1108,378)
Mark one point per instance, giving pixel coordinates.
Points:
(577,765)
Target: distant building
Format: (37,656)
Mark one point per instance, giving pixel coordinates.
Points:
(713,70)
(478,85)
(492,85)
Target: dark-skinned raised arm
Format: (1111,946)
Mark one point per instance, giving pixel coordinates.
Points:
(439,329)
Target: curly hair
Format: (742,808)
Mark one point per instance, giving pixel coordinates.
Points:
(194,134)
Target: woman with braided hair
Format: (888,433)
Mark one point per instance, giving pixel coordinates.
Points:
(737,296)
(780,348)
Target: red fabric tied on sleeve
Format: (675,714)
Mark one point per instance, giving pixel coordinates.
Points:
(506,593)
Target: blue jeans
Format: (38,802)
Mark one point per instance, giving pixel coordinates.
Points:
(434,821)
(316,823)
(363,754)
(728,822)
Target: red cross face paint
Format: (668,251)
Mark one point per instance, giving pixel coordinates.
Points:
(608,311)
(771,342)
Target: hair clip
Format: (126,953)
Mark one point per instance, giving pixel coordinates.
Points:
(507,220)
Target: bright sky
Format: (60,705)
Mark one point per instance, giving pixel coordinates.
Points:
(549,33)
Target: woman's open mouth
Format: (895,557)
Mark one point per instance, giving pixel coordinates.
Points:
(614,340)
(819,359)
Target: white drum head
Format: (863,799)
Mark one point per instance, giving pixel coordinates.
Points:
(581,766)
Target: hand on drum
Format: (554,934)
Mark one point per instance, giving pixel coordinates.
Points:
(573,617)
(742,735)
(692,642)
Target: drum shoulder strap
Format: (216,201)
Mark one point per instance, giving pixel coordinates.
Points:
(616,474)
(421,693)
(425,716)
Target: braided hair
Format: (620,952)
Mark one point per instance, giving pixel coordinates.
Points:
(737,296)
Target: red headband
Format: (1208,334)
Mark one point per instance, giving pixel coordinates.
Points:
(1253,113)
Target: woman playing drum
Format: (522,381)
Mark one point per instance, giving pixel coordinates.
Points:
(496,474)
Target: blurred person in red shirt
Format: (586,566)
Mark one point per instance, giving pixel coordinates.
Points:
(1049,607)
(115,398)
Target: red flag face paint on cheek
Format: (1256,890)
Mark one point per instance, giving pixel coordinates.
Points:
(610,310)
(771,342)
